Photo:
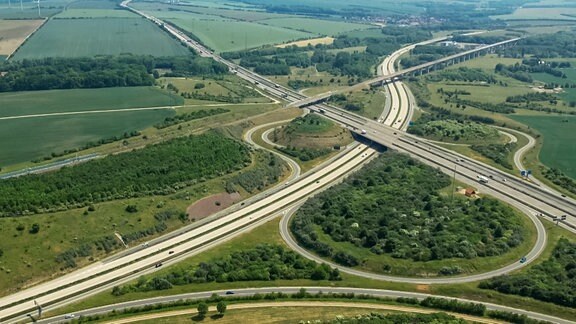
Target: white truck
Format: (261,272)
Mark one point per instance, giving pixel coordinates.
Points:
(482,179)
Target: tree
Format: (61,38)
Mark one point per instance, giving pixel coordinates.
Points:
(35,228)
(202,309)
(221,307)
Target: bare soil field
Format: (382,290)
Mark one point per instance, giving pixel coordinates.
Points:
(14,32)
(210,205)
(313,41)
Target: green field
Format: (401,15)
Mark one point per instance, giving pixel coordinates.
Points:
(53,101)
(317,26)
(99,36)
(225,36)
(540,13)
(559,149)
(57,133)
(95,13)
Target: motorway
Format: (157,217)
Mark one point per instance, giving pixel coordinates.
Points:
(115,270)
(292,290)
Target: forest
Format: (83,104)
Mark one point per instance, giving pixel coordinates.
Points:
(277,61)
(393,206)
(99,72)
(265,262)
(154,170)
(544,46)
(551,281)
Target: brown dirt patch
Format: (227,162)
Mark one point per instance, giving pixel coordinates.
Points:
(424,288)
(314,41)
(13,33)
(212,204)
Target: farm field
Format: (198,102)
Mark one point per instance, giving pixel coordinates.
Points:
(540,13)
(225,36)
(95,13)
(247,15)
(559,149)
(53,101)
(314,41)
(99,36)
(317,26)
(13,33)
(57,133)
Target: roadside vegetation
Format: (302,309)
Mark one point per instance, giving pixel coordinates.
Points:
(310,137)
(393,210)
(265,262)
(550,281)
(100,72)
(158,169)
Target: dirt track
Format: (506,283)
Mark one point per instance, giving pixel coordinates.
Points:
(304,304)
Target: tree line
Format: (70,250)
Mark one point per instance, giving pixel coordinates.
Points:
(265,262)
(99,72)
(393,207)
(154,170)
(551,281)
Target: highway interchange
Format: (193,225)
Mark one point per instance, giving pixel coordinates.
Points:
(284,198)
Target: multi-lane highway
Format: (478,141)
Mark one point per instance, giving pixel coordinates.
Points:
(293,290)
(113,270)
(117,269)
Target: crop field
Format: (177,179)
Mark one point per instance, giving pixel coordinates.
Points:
(247,15)
(559,149)
(540,13)
(316,26)
(53,101)
(13,33)
(225,36)
(93,4)
(96,13)
(99,36)
(57,133)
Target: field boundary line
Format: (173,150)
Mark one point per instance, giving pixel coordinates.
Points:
(86,112)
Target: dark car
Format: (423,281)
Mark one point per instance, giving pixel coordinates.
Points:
(158,265)
(229,292)
(170,252)
(523,260)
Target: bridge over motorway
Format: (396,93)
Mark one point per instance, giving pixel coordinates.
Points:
(416,70)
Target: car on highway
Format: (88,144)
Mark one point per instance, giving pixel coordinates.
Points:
(229,292)
(158,265)
(69,316)
(170,252)
(523,260)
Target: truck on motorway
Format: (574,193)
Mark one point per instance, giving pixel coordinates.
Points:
(482,179)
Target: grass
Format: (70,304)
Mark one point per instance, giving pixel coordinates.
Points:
(95,13)
(57,133)
(557,13)
(225,36)
(31,258)
(99,36)
(559,148)
(372,101)
(268,233)
(14,32)
(272,315)
(54,101)
(229,86)
(316,26)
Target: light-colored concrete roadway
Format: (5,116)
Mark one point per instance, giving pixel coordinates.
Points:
(112,271)
(292,290)
(303,303)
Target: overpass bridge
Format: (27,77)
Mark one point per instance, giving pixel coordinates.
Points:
(413,71)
